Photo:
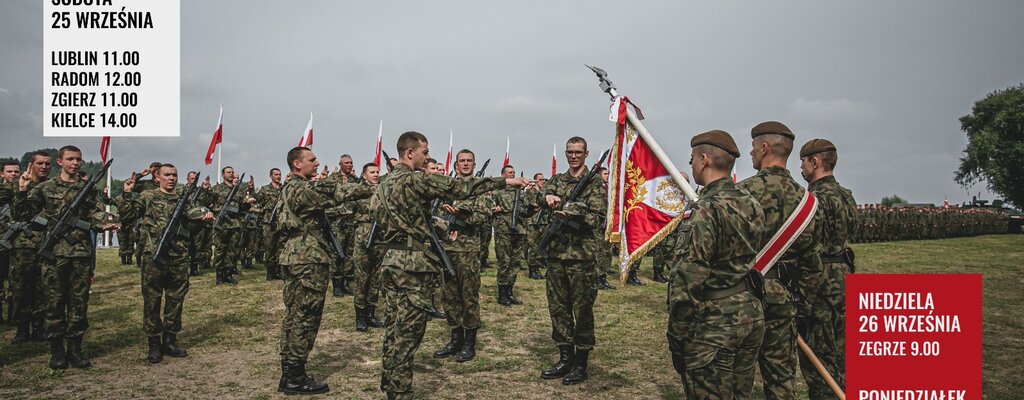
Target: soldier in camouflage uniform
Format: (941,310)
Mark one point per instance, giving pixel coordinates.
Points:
(11,171)
(66,278)
(28,301)
(367,259)
(306,259)
(141,185)
(572,269)
(535,226)
(166,281)
(409,271)
(826,336)
(509,243)
(793,280)
(226,239)
(249,242)
(268,198)
(462,292)
(716,319)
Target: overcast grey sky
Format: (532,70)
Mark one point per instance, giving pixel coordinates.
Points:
(886,81)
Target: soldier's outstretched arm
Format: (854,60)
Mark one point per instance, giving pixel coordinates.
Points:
(431,186)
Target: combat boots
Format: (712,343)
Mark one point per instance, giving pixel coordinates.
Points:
(154,356)
(535,273)
(578,373)
(344,286)
(453,346)
(632,280)
(468,351)
(566,354)
(193,269)
(361,325)
(2,310)
(220,277)
(58,360)
(371,319)
(21,336)
(602,283)
(170,346)
(229,277)
(295,381)
(38,331)
(336,286)
(76,358)
(503,296)
(659,275)
(511,296)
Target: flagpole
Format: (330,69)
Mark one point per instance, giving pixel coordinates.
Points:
(219,146)
(110,192)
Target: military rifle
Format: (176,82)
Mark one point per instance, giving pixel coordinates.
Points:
(174,226)
(559,223)
(435,244)
(227,207)
(387,160)
(330,237)
(515,206)
(69,220)
(454,222)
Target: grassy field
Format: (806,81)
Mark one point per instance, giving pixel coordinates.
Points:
(232,332)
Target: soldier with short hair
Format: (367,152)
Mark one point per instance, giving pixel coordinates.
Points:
(462,292)
(572,273)
(165,281)
(306,259)
(840,221)
(269,200)
(227,239)
(28,301)
(367,258)
(409,271)
(716,320)
(510,242)
(795,277)
(67,277)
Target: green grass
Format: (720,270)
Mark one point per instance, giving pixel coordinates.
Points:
(232,334)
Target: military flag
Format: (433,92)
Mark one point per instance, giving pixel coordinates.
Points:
(215,142)
(380,135)
(645,200)
(507,143)
(307,135)
(554,159)
(448,159)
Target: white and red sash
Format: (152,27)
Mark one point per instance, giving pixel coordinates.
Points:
(787,234)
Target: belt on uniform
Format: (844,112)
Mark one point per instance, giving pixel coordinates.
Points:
(407,244)
(742,286)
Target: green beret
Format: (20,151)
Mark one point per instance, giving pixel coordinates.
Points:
(773,127)
(815,146)
(717,138)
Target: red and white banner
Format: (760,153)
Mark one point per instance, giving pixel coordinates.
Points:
(217,137)
(787,234)
(376,154)
(307,135)
(507,144)
(644,201)
(554,160)
(448,159)
(104,149)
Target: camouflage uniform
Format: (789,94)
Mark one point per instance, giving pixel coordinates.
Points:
(409,271)
(828,331)
(153,209)
(28,295)
(227,240)
(268,198)
(535,228)
(67,278)
(306,258)
(797,271)
(716,323)
(7,191)
(509,244)
(366,260)
(462,293)
(572,269)
(341,221)
(486,229)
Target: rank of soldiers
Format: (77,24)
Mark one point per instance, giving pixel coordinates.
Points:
(414,240)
